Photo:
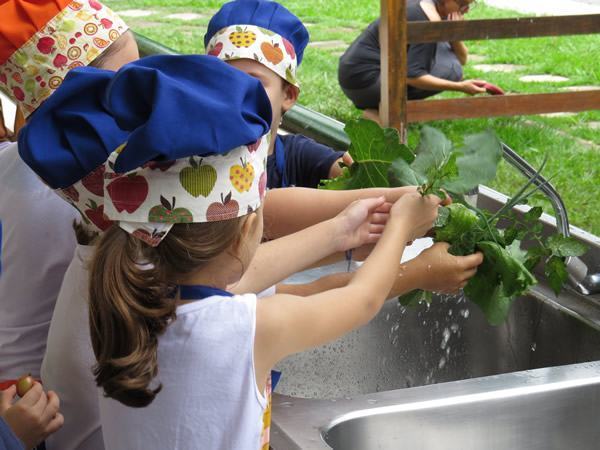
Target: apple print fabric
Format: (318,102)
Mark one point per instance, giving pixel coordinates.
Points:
(149,200)
(87,196)
(75,37)
(252,42)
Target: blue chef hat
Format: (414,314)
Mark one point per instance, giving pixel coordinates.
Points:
(71,134)
(166,107)
(261,13)
(178,106)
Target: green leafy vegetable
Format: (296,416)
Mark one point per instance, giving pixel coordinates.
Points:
(373,150)
(439,167)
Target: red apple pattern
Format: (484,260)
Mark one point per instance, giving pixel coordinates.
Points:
(128,192)
(46,45)
(216,50)
(94,181)
(96,215)
(226,209)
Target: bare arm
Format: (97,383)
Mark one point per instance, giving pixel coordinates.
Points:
(288,324)
(461,51)
(289,210)
(433,270)
(431,83)
(458,47)
(360,223)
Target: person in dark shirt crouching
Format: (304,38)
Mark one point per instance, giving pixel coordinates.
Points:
(432,67)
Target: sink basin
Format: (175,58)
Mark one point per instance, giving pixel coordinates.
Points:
(412,378)
(559,410)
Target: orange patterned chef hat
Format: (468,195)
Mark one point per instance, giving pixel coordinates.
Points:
(41,40)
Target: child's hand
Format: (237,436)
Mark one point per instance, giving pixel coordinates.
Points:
(417,211)
(361,223)
(439,271)
(336,170)
(32,418)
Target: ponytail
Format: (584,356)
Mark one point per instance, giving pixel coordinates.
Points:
(132,302)
(129,309)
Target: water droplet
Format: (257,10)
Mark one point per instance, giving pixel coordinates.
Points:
(533,347)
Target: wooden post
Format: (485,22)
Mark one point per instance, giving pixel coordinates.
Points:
(393,42)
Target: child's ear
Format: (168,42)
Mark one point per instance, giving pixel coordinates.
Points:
(290,96)
(247,231)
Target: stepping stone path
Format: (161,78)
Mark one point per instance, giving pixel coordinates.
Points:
(136,13)
(476,58)
(184,16)
(594,125)
(328,44)
(498,67)
(543,79)
(580,88)
(559,114)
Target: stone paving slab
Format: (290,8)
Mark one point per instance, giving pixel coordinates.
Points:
(136,13)
(498,67)
(594,125)
(580,88)
(328,44)
(543,79)
(559,114)
(476,58)
(185,16)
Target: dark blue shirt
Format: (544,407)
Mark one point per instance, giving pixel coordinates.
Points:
(8,441)
(299,161)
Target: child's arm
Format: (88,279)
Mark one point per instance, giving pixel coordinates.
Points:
(288,324)
(433,270)
(288,210)
(360,223)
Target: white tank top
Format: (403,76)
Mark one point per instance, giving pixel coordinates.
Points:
(67,365)
(210,399)
(36,245)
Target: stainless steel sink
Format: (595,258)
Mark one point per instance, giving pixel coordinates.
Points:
(336,394)
(544,409)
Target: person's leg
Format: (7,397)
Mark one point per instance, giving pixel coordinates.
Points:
(367,97)
(446,64)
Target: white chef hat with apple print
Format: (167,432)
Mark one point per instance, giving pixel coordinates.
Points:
(197,146)
(264,31)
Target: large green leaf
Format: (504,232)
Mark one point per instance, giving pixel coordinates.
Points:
(481,154)
(432,151)
(461,220)
(373,150)
(515,277)
(566,246)
(556,272)
(401,174)
(487,291)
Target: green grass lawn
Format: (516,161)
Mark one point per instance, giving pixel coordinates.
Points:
(573,145)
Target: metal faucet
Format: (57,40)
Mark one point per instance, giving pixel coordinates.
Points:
(579,273)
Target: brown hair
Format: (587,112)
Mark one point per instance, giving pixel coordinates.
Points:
(131,300)
(111,50)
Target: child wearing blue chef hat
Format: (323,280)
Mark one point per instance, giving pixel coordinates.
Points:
(181,360)
(265,40)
